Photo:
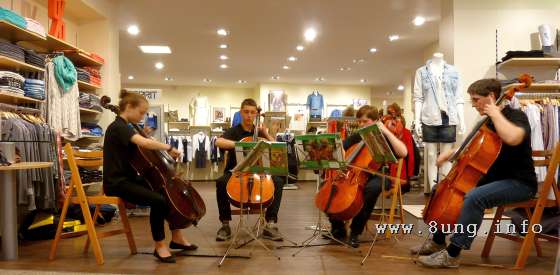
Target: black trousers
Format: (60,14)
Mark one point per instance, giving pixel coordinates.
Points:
(372,190)
(224,205)
(137,191)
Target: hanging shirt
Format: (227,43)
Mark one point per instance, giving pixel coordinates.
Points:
(315,104)
(534,116)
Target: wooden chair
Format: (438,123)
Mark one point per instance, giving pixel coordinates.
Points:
(89,160)
(534,209)
(395,195)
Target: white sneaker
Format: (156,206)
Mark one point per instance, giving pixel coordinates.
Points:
(439,259)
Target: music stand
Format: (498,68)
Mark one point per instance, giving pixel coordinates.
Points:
(318,153)
(379,148)
(256,161)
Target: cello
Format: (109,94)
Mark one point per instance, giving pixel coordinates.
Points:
(247,189)
(158,169)
(471,161)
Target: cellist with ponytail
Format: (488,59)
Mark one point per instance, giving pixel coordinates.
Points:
(121,180)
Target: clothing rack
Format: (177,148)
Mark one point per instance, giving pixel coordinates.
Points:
(10,107)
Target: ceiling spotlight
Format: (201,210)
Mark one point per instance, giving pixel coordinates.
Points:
(393,37)
(224,57)
(167,78)
(372,50)
(300,48)
(292,58)
(130,77)
(159,65)
(224,66)
(223,46)
(419,21)
(207,80)
(241,81)
(286,67)
(320,79)
(310,34)
(358,61)
(363,80)
(133,30)
(342,69)
(222,32)
(400,88)
(275,77)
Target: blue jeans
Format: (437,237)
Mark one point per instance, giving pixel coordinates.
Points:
(493,194)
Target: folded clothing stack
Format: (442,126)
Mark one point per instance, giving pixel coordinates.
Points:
(36,27)
(83,75)
(90,101)
(33,58)
(91,129)
(94,76)
(96,57)
(13,18)
(12,51)
(90,175)
(34,88)
(11,82)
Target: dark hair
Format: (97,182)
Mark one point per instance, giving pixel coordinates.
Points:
(349,111)
(486,86)
(132,99)
(248,102)
(369,111)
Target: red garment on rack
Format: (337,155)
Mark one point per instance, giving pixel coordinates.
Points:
(407,170)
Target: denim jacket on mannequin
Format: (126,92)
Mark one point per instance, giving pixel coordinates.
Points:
(424,92)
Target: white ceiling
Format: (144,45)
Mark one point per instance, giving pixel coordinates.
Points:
(264,33)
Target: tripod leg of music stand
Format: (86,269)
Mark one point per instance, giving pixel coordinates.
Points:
(233,240)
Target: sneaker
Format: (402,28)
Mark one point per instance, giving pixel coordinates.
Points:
(271,232)
(224,233)
(427,248)
(354,240)
(439,259)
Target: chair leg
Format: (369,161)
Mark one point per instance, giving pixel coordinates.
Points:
(537,243)
(95,215)
(126,225)
(401,210)
(492,234)
(530,237)
(58,234)
(92,234)
(392,209)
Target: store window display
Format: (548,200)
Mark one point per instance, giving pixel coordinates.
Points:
(315,105)
(438,111)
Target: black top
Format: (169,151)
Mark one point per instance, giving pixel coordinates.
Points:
(117,149)
(235,134)
(513,162)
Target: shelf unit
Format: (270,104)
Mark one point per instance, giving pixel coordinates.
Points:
(10,63)
(87,87)
(530,62)
(14,33)
(88,111)
(8,97)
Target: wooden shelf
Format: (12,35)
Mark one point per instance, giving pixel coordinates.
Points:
(92,137)
(533,62)
(537,86)
(8,97)
(88,111)
(81,60)
(54,44)
(26,165)
(84,86)
(9,63)
(15,34)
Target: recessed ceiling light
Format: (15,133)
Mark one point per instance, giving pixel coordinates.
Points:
(223,46)
(310,34)
(389,93)
(342,69)
(275,77)
(393,37)
(300,48)
(130,77)
(286,67)
(372,50)
(133,30)
(224,66)
(400,88)
(358,61)
(167,78)
(363,80)
(207,80)
(241,81)
(419,21)
(292,58)
(155,49)
(320,79)
(159,65)
(224,57)
(222,32)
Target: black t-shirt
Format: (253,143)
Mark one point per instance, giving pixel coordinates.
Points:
(236,134)
(513,162)
(117,149)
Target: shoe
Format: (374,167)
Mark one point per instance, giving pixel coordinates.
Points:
(174,245)
(427,248)
(168,259)
(339,233)
(439,259)
(224,233)
(354,240)
(271,232)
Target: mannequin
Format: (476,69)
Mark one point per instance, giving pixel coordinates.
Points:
(438,113)
(315,104)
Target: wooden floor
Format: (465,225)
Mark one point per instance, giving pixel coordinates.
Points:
(297,211)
